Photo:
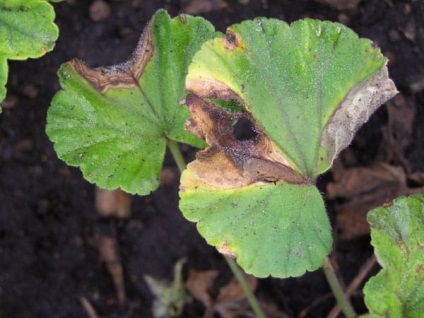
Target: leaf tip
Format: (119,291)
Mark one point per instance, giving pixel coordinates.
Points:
(126,74)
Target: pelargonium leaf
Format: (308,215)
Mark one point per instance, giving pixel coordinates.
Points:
(305,89)
(26,31)
(273,229)
(114,122)
(295,80)
(397,233)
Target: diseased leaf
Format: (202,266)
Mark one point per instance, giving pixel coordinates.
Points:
(304,89)
(26,31)
(309,85)
(273,229)
(114,122)
(397,233)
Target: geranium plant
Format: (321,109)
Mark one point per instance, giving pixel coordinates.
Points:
(301,91)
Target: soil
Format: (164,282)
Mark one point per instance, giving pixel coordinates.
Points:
(48,218)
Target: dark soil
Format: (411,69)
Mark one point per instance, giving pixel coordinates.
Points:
(47,211)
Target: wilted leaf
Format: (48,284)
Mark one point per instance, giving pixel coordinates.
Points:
(305,90)
(114,122)
(397,233)
(26,31)
(363,189)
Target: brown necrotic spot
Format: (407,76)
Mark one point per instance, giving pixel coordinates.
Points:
(122,75)
(225,249)
(231,159)
(232,41)
(244,129)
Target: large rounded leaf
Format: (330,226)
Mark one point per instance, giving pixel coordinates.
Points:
(114,122)
(305,89)
(397,233)
(309,85)
(26,31)
(273,229)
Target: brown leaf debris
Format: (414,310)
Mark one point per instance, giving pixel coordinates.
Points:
(363,189)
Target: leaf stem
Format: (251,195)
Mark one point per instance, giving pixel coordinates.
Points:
(337,289)
(251,298)
(245,286)
(176,154)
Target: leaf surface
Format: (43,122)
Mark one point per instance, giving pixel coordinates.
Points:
(26,31)
(273,229)
(397,233)
(294,80)
(304,89)
(114,122)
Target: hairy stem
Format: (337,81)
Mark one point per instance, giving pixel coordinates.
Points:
(337,290)
(176,154)
(179,160)
(238,273)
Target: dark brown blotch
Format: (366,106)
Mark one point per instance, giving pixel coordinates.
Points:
(248,158)
(232,41)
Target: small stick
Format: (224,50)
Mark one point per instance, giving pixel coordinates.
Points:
(91,312)
(316,302)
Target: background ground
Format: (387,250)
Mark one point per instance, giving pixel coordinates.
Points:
(49,258)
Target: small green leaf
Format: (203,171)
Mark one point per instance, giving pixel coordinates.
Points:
(26,31)
(305,89)
(114,122)
(273,229)
(170,297)
(397,233)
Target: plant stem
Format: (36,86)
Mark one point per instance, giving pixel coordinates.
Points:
(337,290)
(251,298)
(176,154)
(238,273)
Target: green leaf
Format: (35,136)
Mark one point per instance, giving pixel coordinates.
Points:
(292,77)
(114,122)
(305,89)
(170,297)
(273,229)
(26,31)
(397,233)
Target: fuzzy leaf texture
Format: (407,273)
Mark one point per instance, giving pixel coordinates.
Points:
(305,89)
(26,31)
(397,233)
(114,122)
